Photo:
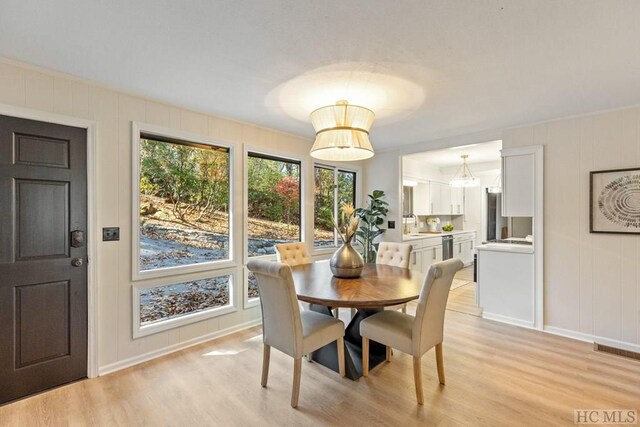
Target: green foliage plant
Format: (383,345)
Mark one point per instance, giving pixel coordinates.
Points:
(371,218)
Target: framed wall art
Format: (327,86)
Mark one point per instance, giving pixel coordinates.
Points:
(615,201)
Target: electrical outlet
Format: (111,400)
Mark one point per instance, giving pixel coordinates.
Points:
(391,224)
(110,234)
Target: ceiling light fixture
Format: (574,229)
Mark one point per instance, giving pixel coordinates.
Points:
(342,132)
(464,177)
(496,188)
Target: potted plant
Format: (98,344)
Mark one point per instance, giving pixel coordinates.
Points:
(346,261)
(371,218)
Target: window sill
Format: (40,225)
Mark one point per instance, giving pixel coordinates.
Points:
(183,269)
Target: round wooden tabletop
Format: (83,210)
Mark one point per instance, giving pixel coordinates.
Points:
(378,286)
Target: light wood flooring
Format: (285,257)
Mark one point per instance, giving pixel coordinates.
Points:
(462,297)
(497,374)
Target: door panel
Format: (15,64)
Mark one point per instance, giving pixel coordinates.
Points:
(43,298)
(41,235)
(42,322)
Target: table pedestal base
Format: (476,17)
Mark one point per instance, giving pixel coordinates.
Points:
(328,355)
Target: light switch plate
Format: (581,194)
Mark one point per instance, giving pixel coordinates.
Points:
(110,234)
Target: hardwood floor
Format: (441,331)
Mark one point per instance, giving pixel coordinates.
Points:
(462,297)
(496,375)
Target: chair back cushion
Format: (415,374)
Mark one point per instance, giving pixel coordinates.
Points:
(292,254)
(428,325)
(281,324)
(395,254)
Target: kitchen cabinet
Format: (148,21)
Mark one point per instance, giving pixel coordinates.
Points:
(415,263)
(506,285)
(444,200)
(437,198)
(518,182)
(457,200)
(431,255)
(463,248)
(421,199)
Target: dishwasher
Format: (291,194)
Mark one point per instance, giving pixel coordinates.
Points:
(447,247)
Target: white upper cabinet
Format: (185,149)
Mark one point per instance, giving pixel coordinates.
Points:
(421,199)
(457,200)
(518,182)
(437,198)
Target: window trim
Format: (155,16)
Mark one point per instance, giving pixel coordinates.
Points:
(318,251)
(165,134)
(273,155)
(186,319)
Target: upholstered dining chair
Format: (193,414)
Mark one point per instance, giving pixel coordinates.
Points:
(292,254)
(397,255)
(415,335)
(288,329)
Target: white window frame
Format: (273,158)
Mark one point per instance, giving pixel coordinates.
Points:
(137,129)
(357,199)
(185,319)
(302,160)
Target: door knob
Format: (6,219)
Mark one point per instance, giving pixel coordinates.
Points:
(76,262)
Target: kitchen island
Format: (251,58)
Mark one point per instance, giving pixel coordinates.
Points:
(506,282)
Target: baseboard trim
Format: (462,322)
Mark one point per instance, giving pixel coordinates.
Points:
(580,336)
(507,319)
(567,333)
(634,348)
(126,363)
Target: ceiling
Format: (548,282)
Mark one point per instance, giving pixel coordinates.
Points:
(478,153)
(436,68)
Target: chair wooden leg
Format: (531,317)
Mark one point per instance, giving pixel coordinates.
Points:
(389,353)
(297,371)
(365,356)
(440,363)
(340,344)
(266,353)
(417,378)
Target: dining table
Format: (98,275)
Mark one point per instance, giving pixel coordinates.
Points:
(378,286)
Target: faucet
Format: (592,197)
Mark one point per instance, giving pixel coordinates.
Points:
(407,230)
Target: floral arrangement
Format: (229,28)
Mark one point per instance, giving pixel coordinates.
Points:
(350,222)
(433,220)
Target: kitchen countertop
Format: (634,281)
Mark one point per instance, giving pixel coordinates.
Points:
(428,235)
(506,247)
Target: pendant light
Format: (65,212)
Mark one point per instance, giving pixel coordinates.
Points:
(496,188)
(342,132)
(464,177)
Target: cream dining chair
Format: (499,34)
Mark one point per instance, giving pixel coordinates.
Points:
(294,254)
(285,327)
(415,335)
(397,255)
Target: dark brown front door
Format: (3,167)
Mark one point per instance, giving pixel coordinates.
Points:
(43,256)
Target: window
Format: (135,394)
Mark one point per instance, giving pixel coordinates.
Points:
(333,188)
(179,299)
(273,203)
(183,205)
(167,306)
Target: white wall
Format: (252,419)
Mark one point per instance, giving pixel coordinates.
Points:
(29,87)
(382,172)
(591,281)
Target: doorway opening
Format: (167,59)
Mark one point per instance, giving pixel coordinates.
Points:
(437,202)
